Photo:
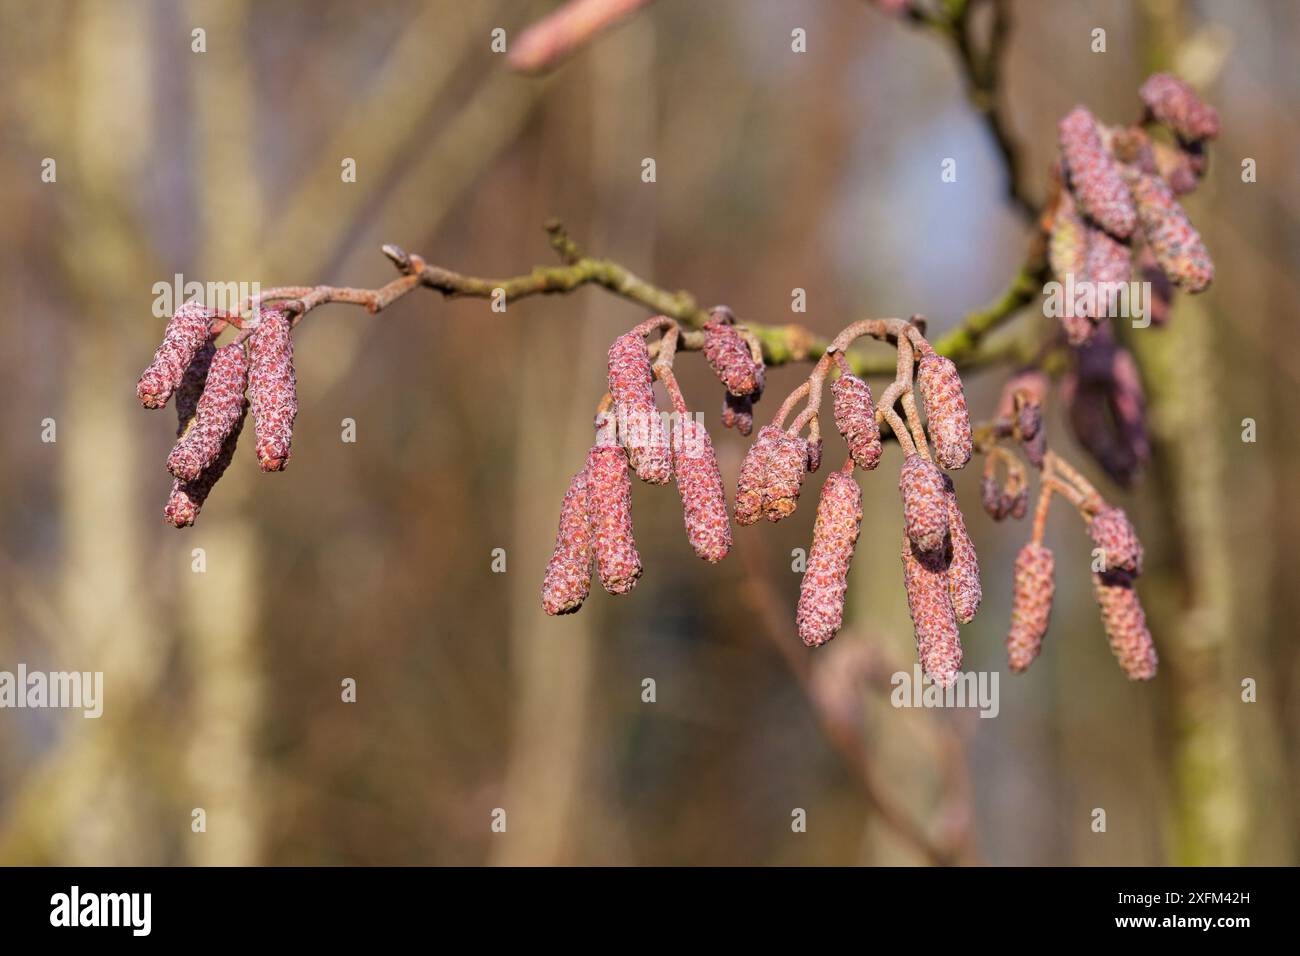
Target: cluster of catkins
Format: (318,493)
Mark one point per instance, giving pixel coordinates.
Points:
(1120,195)
(940,571)
(632,435)
(1117,556)
(1117,563)
(214,388)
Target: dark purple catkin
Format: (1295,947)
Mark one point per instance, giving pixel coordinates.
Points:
(1126,624)
(272,390)
(191,387)
(1162,290)
(938,641)
(925,506)
(219,408)
(996,503)
(568,573)
(753,475)
(825,579)
(947,419)
(814,456)
(1172,238)
(1094,175)
(730,358)
(699,482)
(609,499)
(787,463)
(1113,533)
(855,418)
(1032,588)
(187,331)
(187,497)
(1172,103)
(963,566)
(641,428)
(738,412)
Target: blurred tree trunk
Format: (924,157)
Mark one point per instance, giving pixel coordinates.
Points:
(220,607)
(554,660)
(1196,614)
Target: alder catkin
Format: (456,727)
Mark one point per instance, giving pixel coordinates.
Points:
(187,497)
(925,506)
(699,482)
(1032,588)
(1161,299)
(186,333)
(191,386)
(855,418)
(1114,534)
(1109,265)
(1126,624)
(609,499)
(825,580)
(272,390)
(963,565)
(568,574)
(996,503)
(729,356)
(640,425)
(1094,175)
(814,456)
(1172,238)
(753,475)
(1067,246)
(1172,103)
(947,419)
(738,412)
(938,641)
(787,463)
(219,408)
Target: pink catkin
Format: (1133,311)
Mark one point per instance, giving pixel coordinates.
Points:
(609,498)
(855,417)
(219,408)
(925,505)
(1109,263)
(186,333)
(272,390)
(1032,589)
(191,386)
(641,428)
(729,356)
(787,463)
(1174,104)
(1094,175)
(1113,533)
(753,475)
(938,641)
(825,580)
(1172,238)
(964,588)
(699,482)
(187,497)
(568,573)
(1126,624)
(947,419)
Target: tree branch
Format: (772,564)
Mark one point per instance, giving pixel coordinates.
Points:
(781,344)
